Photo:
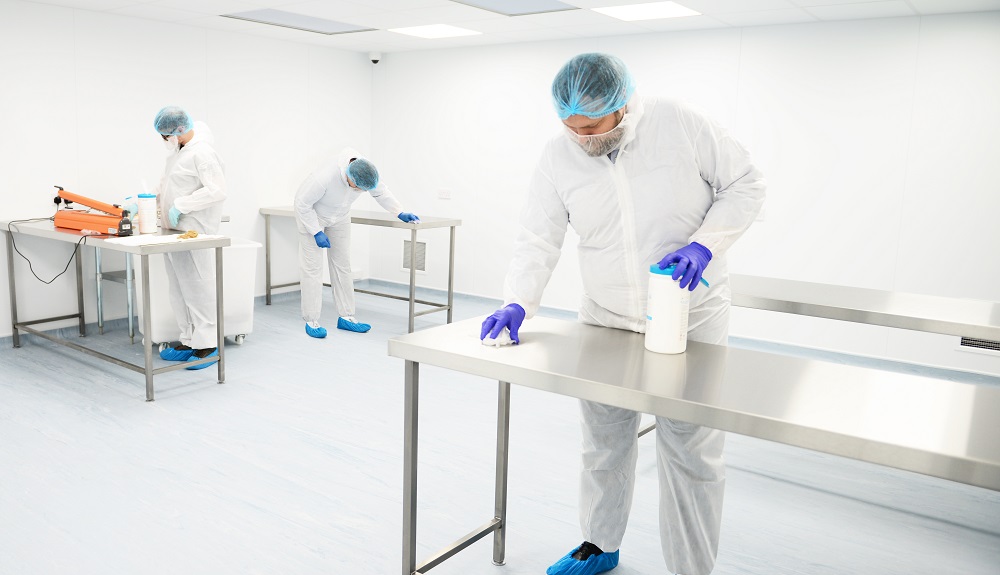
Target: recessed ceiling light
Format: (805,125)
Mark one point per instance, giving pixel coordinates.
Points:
(435,31)
(518,7)
(296,21)
(648,11)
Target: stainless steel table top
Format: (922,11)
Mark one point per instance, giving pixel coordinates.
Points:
(46,229)
(370,218)
(921,424)
(951,316)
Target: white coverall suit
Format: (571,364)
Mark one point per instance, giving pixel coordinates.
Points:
(678,178)
(323,204)
(195,183)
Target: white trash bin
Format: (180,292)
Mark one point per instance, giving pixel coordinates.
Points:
(239,264)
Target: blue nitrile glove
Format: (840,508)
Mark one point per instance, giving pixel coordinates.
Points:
(509,317)
(175,215)
(408,217)
(691,261)
(321,239)
(132,209)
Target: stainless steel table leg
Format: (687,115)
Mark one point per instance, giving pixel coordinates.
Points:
(130,297)
(413,274)
(503,437)
(147,326)
(410,403)
(219,316)
(100,292)
(10,284)
(79,289)
(267,259)
(451,275)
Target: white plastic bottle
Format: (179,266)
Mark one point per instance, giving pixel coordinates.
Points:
(147,214)
(666,312)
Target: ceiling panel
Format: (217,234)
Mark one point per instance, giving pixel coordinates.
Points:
(862,10)
(938,7)
(90,4)
(206,7)
(766,17)
(710,7)
(160,13)
(497,28)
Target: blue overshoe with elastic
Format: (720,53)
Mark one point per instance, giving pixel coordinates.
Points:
(215,353)
(587,559)
(317,332)
(352,325)
(179,353)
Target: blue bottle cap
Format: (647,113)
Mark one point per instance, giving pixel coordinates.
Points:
(147,195)
(669,270)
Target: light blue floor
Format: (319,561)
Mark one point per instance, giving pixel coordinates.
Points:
(295,466)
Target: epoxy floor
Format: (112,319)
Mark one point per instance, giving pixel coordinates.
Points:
(294,466)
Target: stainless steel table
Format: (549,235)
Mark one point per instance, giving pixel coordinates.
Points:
(384,220)
(940,428)
(948,316)
(46,230)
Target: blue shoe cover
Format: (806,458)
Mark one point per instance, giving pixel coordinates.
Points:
(593,565)
(173,354)
(317,332)
(352,325)
(204,365)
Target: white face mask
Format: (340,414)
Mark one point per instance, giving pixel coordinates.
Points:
(601,144)
(172,144)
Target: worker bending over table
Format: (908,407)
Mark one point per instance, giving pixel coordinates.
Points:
(322,213)
(643,181)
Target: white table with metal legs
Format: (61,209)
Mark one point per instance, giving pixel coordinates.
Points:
(385,220)
(921,424)
(45,230)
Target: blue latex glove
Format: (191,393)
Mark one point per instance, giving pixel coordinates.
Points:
(321,239)
(132,209)
(509,317)
(408,217)
(175,215)
(691,261)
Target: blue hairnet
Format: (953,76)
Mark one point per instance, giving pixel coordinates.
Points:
(172,121)
(592,85)
(364,174)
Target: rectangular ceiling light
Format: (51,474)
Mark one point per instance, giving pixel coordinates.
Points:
(649,11)
(296,21)
(518,7)
(435,31)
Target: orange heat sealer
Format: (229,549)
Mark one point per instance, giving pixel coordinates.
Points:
(114,222)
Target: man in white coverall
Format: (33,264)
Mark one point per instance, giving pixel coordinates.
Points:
(642,181)
(323,214)
(190,197)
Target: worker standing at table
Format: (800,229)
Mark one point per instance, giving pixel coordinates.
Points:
(190,197)
(643,181)
(323,215)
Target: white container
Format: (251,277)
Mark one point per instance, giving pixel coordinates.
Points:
(147,214)
(666,312)
(239,264)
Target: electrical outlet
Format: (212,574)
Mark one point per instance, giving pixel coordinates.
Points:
(444,194)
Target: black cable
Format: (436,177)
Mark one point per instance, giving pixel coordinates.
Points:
(76,248)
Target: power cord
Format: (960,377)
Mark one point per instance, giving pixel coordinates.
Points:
(76,248)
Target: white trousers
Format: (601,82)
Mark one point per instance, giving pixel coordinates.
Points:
(311,267)
(691,474)
(191,277)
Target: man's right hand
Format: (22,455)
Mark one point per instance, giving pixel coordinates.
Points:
(509,317)
(321,239)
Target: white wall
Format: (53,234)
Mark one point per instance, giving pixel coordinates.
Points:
(79,93)
(876,137)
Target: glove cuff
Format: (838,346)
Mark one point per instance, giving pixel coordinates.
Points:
(707,253)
